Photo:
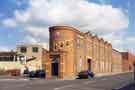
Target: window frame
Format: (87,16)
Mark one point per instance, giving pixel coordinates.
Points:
(23,49)
(35,49)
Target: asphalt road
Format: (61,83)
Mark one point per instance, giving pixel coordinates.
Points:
(102,83)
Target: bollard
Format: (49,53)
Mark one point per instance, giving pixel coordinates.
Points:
(134,71)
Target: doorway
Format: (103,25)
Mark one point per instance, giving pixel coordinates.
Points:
(55,66)
(89,64)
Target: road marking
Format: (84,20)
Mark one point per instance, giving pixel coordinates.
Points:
(66,86)
(88,82)
(104,79)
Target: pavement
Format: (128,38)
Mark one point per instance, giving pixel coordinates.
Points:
(108,74)
(113,82)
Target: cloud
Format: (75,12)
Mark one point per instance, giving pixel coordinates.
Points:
(30,39)
(38,31)
(130,44)
(9,23)
(116,39)
(78,13)
(104,1)
(81,14)
(121,41)
(33,40)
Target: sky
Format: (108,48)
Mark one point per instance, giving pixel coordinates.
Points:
(27,21)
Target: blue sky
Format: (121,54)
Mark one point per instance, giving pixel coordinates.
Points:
(26,21)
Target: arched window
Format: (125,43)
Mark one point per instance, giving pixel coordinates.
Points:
(61,45)
(67,43)
(55,46)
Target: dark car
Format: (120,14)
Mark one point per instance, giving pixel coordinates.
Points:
(85,74)
(40,73)
(37,74)
(32,74)
(26,72)
(90,74)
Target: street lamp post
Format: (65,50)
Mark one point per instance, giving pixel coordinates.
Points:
(134,70)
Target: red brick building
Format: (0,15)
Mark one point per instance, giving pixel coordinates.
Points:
(127,59)
(117,61)
(72,51)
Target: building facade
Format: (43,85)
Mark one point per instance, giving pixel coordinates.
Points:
(72,51)
(8,61)
(127,62)
(117,61)
(31,56)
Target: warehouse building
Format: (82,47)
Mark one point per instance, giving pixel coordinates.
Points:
(117,61)
(72,51)
(127,61)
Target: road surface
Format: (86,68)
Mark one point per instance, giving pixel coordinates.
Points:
(101,83)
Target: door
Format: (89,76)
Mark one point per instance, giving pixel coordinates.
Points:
(55,66)
(89,64)
(55,69)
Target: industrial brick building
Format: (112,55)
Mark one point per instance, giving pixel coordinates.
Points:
(72,51)
(127,61)
(117,65)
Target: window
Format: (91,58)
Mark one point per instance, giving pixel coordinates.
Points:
(78,43)
(35,49)
(6,58)
(67,43)
(55,46)
(61,45)
(23,49)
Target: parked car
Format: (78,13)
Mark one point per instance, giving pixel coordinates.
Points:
(40,73)
(85,74)
(26,72)
(37,74)
(32,74)
(91,74)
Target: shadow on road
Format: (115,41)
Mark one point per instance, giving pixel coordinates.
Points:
(129,87)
